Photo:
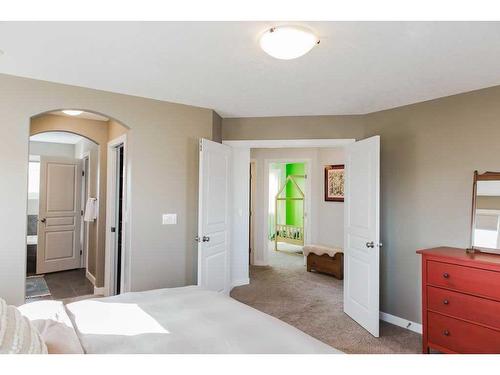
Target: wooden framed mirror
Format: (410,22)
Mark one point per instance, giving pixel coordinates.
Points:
(485,223)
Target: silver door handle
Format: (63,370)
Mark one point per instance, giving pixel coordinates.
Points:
(202,239)
(370,244)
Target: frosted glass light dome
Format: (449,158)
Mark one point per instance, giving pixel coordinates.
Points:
(288,42)
(72,112)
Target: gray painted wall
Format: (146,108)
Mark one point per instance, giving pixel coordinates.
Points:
(163,154)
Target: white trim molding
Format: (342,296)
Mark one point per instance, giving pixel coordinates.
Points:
(400,322)
(110,256)
(242,282)
(99,291)
(90,277)
(290,143)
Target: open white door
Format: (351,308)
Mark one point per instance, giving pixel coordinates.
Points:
(361,233)
(213,216)
(59,215)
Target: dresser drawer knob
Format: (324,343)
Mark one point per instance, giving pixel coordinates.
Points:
(446,275)
(446,302)
(446,332)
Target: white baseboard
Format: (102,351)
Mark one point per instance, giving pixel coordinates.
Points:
(259,263)
(240,282)
(90,277)
(397,321)
(99,291)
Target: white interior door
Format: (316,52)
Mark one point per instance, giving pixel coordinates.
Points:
(361,233)
(59,215)
(213,216)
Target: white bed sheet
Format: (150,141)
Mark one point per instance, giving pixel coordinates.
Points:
(183,320)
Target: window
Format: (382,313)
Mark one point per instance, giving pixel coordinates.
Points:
(33,179)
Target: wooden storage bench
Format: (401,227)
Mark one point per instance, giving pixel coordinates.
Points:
(324,262)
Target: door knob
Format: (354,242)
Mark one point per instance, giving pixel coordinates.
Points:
(43,220)
(202,239)
(370,244)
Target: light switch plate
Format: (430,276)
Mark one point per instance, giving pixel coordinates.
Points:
(169,219)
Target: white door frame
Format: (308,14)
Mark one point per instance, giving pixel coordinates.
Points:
(253,193)
(240,224)
(110,256)
(307,203)
(85,226)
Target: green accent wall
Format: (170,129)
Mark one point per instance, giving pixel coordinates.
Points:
(294,209)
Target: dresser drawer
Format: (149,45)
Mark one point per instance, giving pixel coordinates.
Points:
(476,309)
(461,337)
(465,279)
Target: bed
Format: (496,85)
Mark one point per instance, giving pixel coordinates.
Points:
(178,320)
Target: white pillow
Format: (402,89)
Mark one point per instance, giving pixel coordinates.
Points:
(17,334)
(54,325)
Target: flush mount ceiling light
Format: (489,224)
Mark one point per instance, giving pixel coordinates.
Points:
(72,112)
(288,42)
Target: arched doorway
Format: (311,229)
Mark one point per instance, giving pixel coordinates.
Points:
(71,252)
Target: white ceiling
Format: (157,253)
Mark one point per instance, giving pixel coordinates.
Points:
(358,67)
(56,137)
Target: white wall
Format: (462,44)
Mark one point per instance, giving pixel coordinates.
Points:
(330,214)
(52,149)
(239,217)
(325,218)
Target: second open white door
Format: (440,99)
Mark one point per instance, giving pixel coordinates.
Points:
(213,216)
(362,233)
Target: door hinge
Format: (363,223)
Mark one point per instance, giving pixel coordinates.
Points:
(81,212)
(201,145)
(83,173)
(113,229)
(81,252)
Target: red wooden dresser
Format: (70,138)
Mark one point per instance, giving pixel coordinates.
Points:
(460,301)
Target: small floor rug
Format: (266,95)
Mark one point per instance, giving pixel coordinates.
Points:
(36,286)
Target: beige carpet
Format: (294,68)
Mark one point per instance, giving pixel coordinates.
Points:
(313,303)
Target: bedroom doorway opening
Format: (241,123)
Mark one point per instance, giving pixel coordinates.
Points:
(66,204)
(359,231)
(286,206)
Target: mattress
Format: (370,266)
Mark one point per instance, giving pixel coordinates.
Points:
(183,320)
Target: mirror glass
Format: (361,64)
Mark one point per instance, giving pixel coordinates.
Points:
(486,214)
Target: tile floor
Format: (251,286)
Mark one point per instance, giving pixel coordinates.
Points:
(67,284)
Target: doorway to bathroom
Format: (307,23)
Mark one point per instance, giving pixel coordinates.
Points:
(67,232)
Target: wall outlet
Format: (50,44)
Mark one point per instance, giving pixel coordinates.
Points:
(169,219)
